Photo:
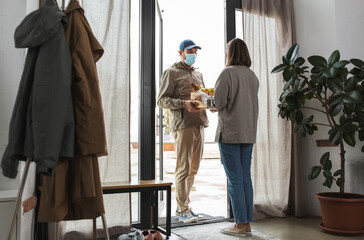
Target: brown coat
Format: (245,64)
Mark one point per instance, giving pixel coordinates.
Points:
(75,191)
(85,51)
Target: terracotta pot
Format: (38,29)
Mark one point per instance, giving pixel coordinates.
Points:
(342,213)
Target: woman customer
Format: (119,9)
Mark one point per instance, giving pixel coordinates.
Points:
(236,100)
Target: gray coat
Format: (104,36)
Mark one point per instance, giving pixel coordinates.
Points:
(236,99)
(42,123)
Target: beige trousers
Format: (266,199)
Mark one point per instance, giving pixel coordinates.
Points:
(189,148)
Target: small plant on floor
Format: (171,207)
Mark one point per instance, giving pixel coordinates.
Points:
(340,94)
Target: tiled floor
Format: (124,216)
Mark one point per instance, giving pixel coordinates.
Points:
(288,228)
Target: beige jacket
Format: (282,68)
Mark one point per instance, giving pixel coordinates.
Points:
(236,99)
(175,89)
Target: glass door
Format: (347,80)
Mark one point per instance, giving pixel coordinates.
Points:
(159,111)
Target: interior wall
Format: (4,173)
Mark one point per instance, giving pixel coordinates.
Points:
(11,67)
(322,27)
(11,63)
(349,34)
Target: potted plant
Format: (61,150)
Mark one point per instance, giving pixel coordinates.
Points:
(340,94)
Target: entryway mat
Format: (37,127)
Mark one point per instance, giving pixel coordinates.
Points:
(175,222)
(211,231)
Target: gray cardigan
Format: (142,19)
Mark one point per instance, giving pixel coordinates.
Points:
(236,99)
(42,123)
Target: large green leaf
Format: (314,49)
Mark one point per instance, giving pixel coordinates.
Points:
(298,117)
(350,84)
(287,84)
(315,171)
(279,68)
(296,84)
(341,64)
(302,130)
(326,73)
(361,134)
(355,71)
(335,109)
(317,61)
(283,112)
(333,72)
(348,108)
(285,60)
(324,158)
(335,85)
(292,53)
(287,74)
(336,99)
(343,119)
(307,120)
(334,57)
(326,162)
(328,182)
(335,135)
(357,63)
(337,173)
(349,138)
(353,97)
(310,129)
(351,128)
(327,174)
(339,182)
(299,61)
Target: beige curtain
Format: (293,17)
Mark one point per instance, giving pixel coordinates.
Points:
(109,20)
(268,30)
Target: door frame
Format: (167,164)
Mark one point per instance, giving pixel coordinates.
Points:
(148,94)
(230,33)
(147,105)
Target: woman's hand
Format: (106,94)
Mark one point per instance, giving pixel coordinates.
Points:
(199,95)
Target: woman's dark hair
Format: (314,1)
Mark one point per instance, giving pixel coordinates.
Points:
(237,53)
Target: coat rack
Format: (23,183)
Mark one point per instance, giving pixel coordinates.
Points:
(20,193)
(24,178)
(17,206)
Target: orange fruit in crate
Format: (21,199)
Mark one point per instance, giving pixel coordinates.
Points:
(206,90)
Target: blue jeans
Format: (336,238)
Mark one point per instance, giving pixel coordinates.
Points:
(236,159)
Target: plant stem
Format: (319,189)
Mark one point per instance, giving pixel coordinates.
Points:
(329,119)
(342,158)
(315,109)
(321,124)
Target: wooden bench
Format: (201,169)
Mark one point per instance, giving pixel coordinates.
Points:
(146,186)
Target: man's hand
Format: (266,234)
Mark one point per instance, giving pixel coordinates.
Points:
(190,105)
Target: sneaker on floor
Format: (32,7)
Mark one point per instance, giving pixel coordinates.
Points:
(186,217)
(198,216)
(134,234)
(241,232)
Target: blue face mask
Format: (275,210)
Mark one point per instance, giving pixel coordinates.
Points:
(190,59)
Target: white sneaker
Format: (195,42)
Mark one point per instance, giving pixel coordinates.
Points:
(195,214)
(187,217)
